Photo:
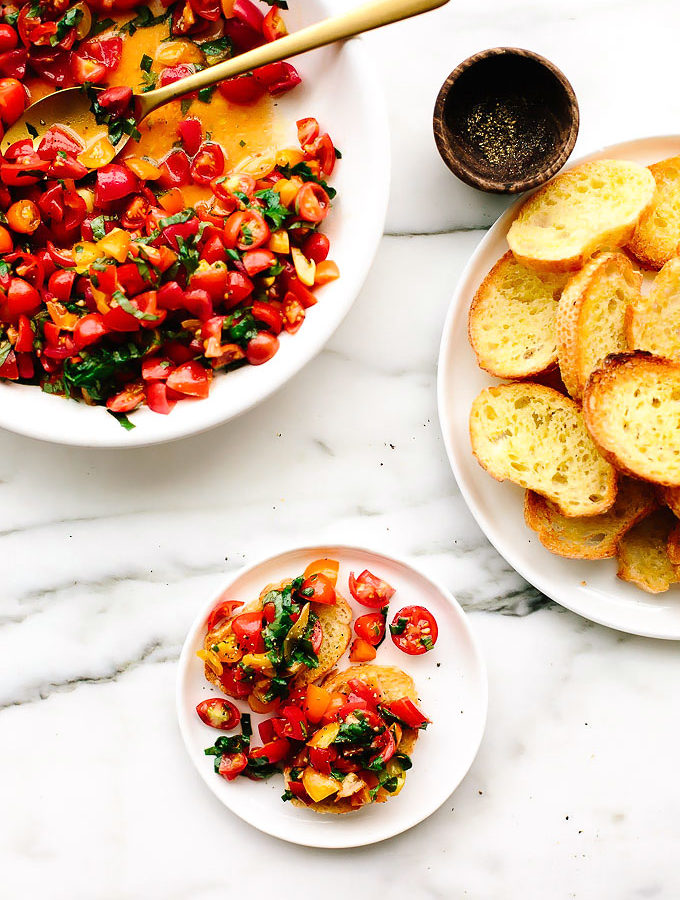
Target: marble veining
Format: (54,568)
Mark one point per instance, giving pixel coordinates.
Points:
(107,556)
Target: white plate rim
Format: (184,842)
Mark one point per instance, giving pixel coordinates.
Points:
(99,435)
(493,533)
(319,551)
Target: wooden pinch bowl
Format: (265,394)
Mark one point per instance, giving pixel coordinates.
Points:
(506,120)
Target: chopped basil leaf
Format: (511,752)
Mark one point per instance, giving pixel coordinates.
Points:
(122,420)
(205,94)
(219,47)
(399,626)
(98,228)
(31,130)
(101,25)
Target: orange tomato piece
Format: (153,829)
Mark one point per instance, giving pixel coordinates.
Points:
(327,567)
(317,701)
(361,651)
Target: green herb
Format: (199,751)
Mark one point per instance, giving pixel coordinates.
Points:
(4,267)
(100,25)
(98,228)
(246,725)
(188,255)
(241,143)
(260,768)
(69,20)
(132,310)
(338,154)
(282,4)
(122,420)
(274,211)
(185,105)
(143,19)
(427,642)
(5,349)
(10,16)
(287,795)
(205,94)
(399,626)
(359,732)
(279,687)
(145,63)
(219,47)
(31,130)
(149,81)
(97,371)
(303,170)
(241,332)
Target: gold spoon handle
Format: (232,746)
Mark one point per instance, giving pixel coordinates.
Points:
(338,28)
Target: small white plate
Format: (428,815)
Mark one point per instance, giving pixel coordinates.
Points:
(586,587)
(451,684)
(340,88)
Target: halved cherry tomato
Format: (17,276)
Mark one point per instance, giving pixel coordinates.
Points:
(22,297)
(219,713)
(278,77)
(261,348)
(223,610)
(190,133)
(318,589)
(232,764)
(327,567)
(128,399)
(175,170)
(269,314)
(370,590)
(273,26)
(312,202)
(24,343)
(274,751)
(246,230)
(308,131)
(408,713)
(208,163)
(414,630)
(361,651)
(190,379)
(23,216)
(247,629)
(8,38)
(324,151)
(291,724)
(235,683)
(371,628)
(12,100)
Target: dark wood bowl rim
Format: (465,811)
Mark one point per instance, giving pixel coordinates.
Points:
(468,174)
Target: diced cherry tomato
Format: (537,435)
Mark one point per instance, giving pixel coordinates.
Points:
(258,261)
(209,10)
(312,203)
(239,288)
(246,230)
(293,313)
(369,590)
(291,724)
(278,77)
(242,89)
(175,170)
(371,628)
(361,651)
(25,365)
(269,314)
(128,399)
(336,702)
(22,297)
(191,379)
(234,683)
(114,182)
(89,329)
(170,296)
(12,100)
(56,139)
(223,610)
(248,13)
(266,730)
(414,630)
(359,688)
(316,702)
(296,287)
(24,342)
(6,242)
(318,589)
(208,163)
(232,764)
(61,284)
(408,713)
(25,171)
(190,133)
(115,100)
(321,758)
(13,63)
(95,59)
(261,348)
(8,38)
(9,368)
(324,151)
(316,247)
(274,751)
(273,26)
(308,131)
(247,629)
(219,713)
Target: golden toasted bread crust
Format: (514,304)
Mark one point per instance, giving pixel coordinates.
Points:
(590,537)
(594,206)
(653,321)
(657,235)
(631,407)
(511,325)
(643,554)
(591,316)
(535,436)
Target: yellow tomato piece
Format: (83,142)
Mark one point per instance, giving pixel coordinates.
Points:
(326,272)
(99,153)
(319,786)
(289,157)
(85,22)
(88,196)
(327,567)
(142,168)
(260,662)
(394,770)
(172,201)
(211,660)
(115,244)
(259,165)
(228,650)
(317,701)
(61,317)
(305,268)
(287,189)
(84,254)
(101,300)
(325,736)
(279,242)
(174,52)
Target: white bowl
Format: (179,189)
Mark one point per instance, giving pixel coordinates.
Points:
(339,88)
(586,587)
(451,684)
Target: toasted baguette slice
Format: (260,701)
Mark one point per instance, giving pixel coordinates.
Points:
(391,684)
(535,437)
(673,545)
(653,322)
(592,537)
(335,623)
(512,320)
(643,556)
(594,206)
(631,407)
(657,234)
(671,497)
(591,316)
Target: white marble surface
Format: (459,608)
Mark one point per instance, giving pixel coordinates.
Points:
(107,556)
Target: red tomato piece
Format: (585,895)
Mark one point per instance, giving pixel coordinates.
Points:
(239,288)
(258,261)
(324,150)
(175,170)
(22,297)
(191,379)
(414,630)
(312,202)
(292,724)
(8,38)
(208,163)
(278,77)
(361,651)
(223,610)
(9,368)
(273,26)
(269,315)
(190,132)
(156,368)
(274,752)
(12,100)
(128,399)
(318,589)
(157,398)
(316,247)
(234,684)
(24,343)
(371,628)
(293,313)
(308,131)
(115,100)
(261,348)
(321,758)
(61,284)
(247,629)
(407,712)
(232,764)
(369,590)
(114,182)
(219,713)
(266,730)
(89,329)
(248,13)
(242,89)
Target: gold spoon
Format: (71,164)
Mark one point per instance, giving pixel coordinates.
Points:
(71,107)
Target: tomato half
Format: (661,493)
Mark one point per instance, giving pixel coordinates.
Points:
(232,764)
(312,202)
(223,610)
(208,163)
(12,100)
(414,630)
(219,713)
(247,629)
(261,348)
(408,713)
(318,589)
(371,628)
(369,590)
